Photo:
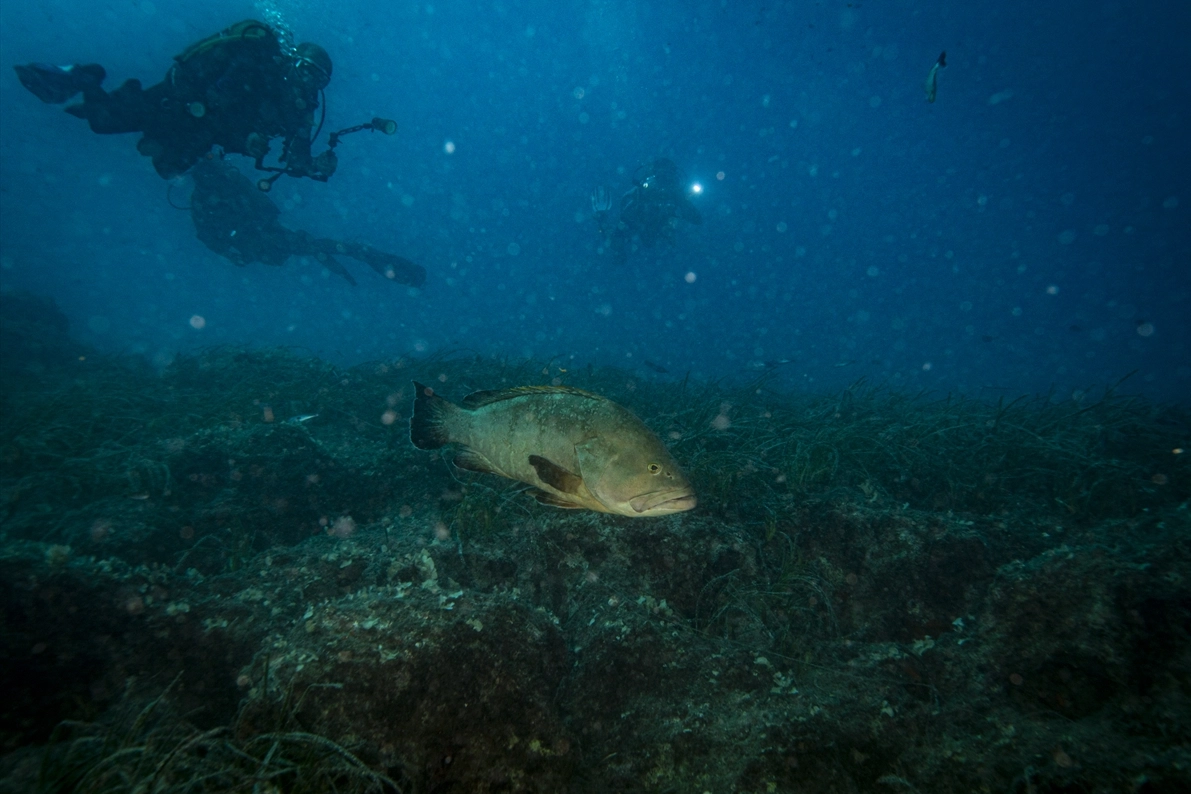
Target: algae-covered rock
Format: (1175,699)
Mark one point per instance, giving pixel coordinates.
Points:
(874,594)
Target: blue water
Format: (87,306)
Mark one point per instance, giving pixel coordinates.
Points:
(1028,230)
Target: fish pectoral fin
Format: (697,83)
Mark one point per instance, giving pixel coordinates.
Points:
(555,476)
(468,458)
(553,500)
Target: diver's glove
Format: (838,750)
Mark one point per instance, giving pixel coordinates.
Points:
(601,201)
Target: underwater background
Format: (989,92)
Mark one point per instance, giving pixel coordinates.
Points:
(1027,230)
(924,364)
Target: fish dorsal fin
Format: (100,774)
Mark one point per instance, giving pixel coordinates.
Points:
(556,476)
(478,399)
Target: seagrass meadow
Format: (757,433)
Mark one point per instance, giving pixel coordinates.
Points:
(238,575)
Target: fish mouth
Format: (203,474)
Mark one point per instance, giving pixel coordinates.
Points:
(664,502)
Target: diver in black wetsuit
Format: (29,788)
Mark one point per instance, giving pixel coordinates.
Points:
(238,222)
(237,90)
(650,211)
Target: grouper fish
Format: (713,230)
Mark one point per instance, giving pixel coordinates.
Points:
(577,449)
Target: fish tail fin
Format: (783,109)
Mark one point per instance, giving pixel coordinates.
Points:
(427,427)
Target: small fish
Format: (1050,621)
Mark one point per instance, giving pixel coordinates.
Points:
(578,450)
(656,367)
(932,77)
(772,363)
(300,418)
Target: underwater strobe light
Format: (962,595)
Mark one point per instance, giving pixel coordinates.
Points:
(387,126)
(696,188)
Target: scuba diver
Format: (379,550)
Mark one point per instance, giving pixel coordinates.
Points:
(650,211)
(237,90)
(238,222)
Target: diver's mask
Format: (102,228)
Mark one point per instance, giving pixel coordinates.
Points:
(312,65)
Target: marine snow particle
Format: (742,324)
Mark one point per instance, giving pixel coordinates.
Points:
(343,527)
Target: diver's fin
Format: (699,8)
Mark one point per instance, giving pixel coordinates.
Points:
(601,200)
(468,458)
(332,264)
(552,499)
(427,427)
(556,476)
(56,84)
(393,267)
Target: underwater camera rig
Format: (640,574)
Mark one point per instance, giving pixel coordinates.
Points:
(326,162)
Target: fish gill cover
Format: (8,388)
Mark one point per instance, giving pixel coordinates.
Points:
(941,541)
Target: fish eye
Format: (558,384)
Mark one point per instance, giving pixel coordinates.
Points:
(654,468)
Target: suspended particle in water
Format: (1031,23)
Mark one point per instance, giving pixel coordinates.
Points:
(343,528)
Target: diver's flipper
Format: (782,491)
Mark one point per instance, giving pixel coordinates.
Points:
(56,84)
(552,500)
(556,476)
(601,200)
(332,264)
(393,267)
